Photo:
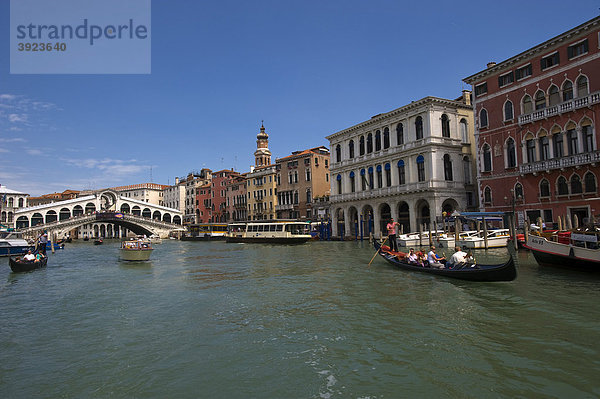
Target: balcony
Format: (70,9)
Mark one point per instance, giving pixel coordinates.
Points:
(559,163)
(567,106)
(284,207)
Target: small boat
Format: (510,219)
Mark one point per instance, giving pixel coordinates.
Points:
(495,238)
(449,240)
(86,238)
(502,272)
(19,266)
(415,239)
(98,241)
(269,232)
(136,249)
(13,243)
(579,249)
(155,239)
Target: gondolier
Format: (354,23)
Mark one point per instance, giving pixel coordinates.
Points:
(391,229)
(42,241)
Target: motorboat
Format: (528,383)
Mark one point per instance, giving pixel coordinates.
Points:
(136,249)
(578,249)
(495,239)
(13,243)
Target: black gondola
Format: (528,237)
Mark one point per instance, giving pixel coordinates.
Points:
(19,266)
(502,272)
(98,241)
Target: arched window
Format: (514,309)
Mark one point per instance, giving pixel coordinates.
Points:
(401,173)
(483,118)
(378,140)
(447,168)
(572,141)
(369,143)
(588,138)
(388,174)
(527,104)
(445,126)
(386,137)
(540,100)
(467,169)
(464,131)
(20,202)
(508,111)
(487,195)
(351,148)
(361,145)
(421,168)
(544,188)
(363,179)
(567,90)
(339,183)
(400,133)
(576,187)
(562,186)
(419,127)
(379,176)
(590,182)
(11,202)
(511,153)
(582,86)
(530,144)
(557,145)
(487,158)
(554,95)
(352,182)
(544,146)
(371,180)
(519,191)
(338,153)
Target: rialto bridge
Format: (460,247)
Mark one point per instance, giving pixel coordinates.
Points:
(106,210)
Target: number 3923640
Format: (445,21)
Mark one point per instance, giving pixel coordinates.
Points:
(42,46)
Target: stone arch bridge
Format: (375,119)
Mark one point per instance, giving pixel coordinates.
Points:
(103,207)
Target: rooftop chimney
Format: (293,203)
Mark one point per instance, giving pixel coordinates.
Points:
(466,97)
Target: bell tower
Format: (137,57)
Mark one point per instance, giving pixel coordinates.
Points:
(262,155)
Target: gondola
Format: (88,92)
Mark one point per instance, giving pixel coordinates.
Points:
(502,272)
(19,266)
(98,241)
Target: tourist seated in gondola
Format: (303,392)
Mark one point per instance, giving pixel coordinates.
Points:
(39,257)
(434,260)
(29,257)
(458,259)
(412,257)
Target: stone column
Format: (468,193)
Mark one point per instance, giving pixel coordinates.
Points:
(347,224)
(412,214)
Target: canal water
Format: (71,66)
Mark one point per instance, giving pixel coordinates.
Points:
(210,319)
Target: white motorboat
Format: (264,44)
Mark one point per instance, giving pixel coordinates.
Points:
(495,239)
(13,243)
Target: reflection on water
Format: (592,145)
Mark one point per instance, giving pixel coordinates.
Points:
(306,321)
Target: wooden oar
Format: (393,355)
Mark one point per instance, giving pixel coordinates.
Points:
(377,251)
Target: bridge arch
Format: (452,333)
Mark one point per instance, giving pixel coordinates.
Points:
(147,213)
(167,218)
(22,222)
(90,207)
(51,216)
(156,215)
(125,208)
(136,211)
(36,219)
(64,214)
(177,219)
(77,210)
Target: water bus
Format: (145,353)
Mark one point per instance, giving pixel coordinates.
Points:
(205,231)
(269,232)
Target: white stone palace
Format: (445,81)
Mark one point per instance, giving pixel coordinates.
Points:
(412,164)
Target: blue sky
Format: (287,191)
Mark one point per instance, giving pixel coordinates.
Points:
(307,68)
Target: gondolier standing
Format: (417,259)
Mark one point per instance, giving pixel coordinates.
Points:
(43,240)
(391,229)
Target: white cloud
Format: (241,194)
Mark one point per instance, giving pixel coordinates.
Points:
(7,97)
(13,140)
(14,118)
(34,152)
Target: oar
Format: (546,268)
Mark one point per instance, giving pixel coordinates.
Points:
(377,251)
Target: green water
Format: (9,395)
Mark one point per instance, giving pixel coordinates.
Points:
(217,320)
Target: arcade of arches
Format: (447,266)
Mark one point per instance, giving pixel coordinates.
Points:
(372,217)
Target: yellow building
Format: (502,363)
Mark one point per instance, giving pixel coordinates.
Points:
(262,181)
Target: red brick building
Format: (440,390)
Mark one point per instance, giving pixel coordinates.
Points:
(537,132)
